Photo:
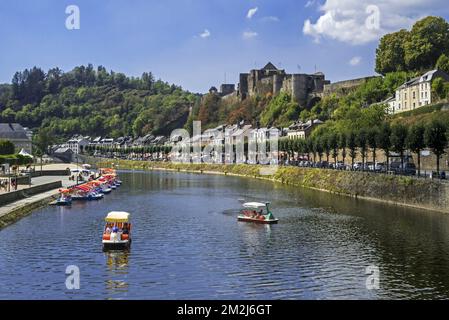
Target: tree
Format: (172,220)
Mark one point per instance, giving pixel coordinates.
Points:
(384,141)
(333,145)
(342,144)
(428,40)
(352,145)
(399,133)
(362,142)
(390,54)
(372,138)
(416,142)
(318,146)
(327,146)
(436,139)
(6,147)
(443,63)
(438,88)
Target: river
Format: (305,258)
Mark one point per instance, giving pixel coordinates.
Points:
(187,244)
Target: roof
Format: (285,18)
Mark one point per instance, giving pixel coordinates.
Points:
(255,205)
(13,131)
(117,216)
(270,66)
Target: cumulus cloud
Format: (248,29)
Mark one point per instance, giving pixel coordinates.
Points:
(249,35)
(355,61)
(252,12)
(362,21)
(205,34)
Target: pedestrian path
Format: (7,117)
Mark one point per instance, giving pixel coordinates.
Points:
(8,208)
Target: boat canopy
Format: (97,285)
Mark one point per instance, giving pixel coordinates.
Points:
(117,216)
(254,205)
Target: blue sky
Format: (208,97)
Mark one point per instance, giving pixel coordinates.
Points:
(194,43)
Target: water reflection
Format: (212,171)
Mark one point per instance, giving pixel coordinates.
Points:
(117,263)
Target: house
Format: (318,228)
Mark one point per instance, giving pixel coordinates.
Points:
(415,93)
(64,154)
(17,134)
(78,144)
(301,130)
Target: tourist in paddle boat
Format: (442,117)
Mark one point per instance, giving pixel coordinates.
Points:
(254,212)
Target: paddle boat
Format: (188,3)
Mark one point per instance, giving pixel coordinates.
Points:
(65,198)
(257,212)
(85,192)
(117,231)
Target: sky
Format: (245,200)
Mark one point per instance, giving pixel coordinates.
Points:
(202,43)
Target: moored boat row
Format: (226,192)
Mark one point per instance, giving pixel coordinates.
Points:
(95,189)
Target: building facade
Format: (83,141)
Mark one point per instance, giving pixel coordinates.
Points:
(17,134)
(415,93)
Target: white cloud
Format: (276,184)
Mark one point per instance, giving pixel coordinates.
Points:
(270,19)
(252,12)
(310,3)
(249,35)
(359,21)
(355,61)
(205,34)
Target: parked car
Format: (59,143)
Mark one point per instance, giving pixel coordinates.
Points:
(358,166)
(408,169)
(380,166)
(340,165)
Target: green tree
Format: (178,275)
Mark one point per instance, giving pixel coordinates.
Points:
(352,145)
(416,142)
(443,63)
(6,147)
(333,145)
(399,133)
(428,40)
(318,147)
(342,144)
(384,141)
(372,137)
(435,137)
(390,54)
(362,143)
(438,88)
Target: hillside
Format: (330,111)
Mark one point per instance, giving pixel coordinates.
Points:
(93,102)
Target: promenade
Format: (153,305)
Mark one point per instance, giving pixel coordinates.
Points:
(11,212)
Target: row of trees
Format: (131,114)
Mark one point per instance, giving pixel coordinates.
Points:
(389,138)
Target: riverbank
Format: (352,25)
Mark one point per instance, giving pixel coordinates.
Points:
(397,190)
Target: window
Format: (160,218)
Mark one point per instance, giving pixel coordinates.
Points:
(405,104)
(414,95)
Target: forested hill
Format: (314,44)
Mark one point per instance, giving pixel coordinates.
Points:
(93,102)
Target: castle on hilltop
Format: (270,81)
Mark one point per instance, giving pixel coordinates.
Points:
(304,88)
